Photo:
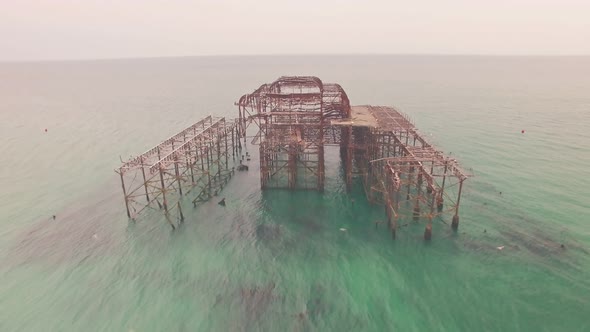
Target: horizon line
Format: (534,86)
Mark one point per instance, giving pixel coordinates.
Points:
(287,55)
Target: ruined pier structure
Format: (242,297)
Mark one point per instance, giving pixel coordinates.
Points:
(298,117)
(191,165)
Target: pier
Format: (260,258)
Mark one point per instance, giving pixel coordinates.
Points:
(296,119)
(193,163)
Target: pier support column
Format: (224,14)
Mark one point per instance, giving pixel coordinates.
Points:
(346,152)
(217,175)
(428,230)
(292,165)
(320,169)
(455,223)
(418,194)
(177,173)
(440,202)
(125,194)
(209,163)
(233,144)
(226,152)
(416,212)
(410,177)
(145,186)
(164,199)
(180,211)
(199,154)
(190,164)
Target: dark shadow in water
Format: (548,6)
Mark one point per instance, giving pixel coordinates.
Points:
(513,230)
(310,224)
(269,232)
(75,235)
(522,234)
(254,302)
(316,305)
(280,224)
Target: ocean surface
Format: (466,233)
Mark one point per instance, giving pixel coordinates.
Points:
(277,260)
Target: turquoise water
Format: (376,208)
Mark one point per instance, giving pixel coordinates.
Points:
(277,261)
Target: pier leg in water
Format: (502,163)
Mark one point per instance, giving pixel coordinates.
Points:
(428,231)
(180,212)
(170,221)
(417,211)
(455,223)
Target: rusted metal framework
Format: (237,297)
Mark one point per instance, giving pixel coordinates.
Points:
(297,116)
(293,116)
(405,173)
(193,164)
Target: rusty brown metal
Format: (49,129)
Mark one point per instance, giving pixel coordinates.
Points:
(193,165)
(293,115)
(296,117)
(406,173)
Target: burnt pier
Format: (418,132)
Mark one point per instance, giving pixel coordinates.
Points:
(296,119)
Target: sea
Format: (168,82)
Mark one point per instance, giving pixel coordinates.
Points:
(277,260)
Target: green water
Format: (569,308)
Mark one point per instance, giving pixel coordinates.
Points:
(277,261)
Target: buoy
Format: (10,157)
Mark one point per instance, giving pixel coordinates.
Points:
(45,129)
(522,131)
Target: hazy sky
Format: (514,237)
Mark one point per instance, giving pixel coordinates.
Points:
(88,29)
